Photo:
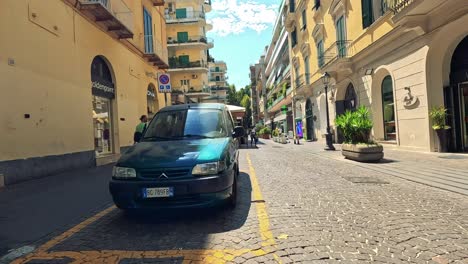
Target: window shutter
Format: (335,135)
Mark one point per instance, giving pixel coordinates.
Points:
(367,13)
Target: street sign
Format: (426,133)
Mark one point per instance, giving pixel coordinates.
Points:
(164,80)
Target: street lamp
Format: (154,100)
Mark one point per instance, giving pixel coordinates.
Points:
(326,80)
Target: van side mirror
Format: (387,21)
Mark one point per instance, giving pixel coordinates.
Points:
(238,132)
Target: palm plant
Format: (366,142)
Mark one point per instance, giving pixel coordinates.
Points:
(356,126)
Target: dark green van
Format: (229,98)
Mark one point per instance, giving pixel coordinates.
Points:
(187,157)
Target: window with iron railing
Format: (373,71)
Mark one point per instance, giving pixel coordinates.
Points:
(293,38)
(304,20)
(148,31)
(317,4)
(320,53)
(292,6)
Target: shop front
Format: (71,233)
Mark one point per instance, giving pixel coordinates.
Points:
(103,93)
(456,98)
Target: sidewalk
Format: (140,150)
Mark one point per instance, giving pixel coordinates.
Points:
(448,171)
(35,209)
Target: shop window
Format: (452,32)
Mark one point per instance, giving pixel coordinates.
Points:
(103,93)
(388,105)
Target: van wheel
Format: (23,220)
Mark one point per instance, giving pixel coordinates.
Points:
(233,199)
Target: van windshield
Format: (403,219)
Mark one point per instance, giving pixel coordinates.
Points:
(183,124)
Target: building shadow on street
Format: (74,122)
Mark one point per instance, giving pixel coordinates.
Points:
(168,229)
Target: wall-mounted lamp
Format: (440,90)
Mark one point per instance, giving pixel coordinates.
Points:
(369,71)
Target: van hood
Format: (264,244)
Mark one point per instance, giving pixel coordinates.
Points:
(177,153)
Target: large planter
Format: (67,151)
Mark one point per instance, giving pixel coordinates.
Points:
(442,134)
(362,153)
(265,136)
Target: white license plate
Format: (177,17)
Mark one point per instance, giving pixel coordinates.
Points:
(158,192)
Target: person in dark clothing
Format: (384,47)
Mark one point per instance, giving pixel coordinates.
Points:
(253,137)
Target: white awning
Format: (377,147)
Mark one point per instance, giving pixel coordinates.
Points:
(235,108)
(280,117)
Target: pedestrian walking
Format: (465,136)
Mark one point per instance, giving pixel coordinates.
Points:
(140,129)
(253,137)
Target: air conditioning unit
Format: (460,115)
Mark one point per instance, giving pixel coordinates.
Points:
(194,76)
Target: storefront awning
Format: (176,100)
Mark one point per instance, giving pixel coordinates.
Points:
(280,118)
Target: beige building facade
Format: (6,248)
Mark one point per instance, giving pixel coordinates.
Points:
(76,75)
(399,58)
(218,82)
(188,48)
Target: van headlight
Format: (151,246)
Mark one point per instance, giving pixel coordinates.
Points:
(123,173)
(209,168)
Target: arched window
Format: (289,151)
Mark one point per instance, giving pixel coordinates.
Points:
(388,105)
(350,101)
(103,92)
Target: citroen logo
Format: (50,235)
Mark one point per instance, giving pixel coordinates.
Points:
(163,176)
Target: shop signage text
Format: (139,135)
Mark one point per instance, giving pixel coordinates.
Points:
(104,90)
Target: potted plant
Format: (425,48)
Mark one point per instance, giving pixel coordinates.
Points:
(275,134)
(265,133)
(356,127)
(438,115)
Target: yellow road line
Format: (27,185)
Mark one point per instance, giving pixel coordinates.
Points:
(189,256)
(262,215)
(60,238)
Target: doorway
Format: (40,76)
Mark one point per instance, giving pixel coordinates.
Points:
(456,98)
(309,121)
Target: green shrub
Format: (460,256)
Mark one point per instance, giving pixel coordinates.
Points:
(438,115)
(275,133)
(355,126)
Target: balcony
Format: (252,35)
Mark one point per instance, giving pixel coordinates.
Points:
(207,5)
(153,51)
(275,105)
(178,16)
(336,59)
(193,91)
(416,14)
(219,88)
(158,2)
(214,70)
(111,15)
(176,65)
(302,81)
(398,5)
(183,42)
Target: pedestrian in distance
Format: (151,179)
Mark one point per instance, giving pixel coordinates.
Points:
(140,129)
(253,137)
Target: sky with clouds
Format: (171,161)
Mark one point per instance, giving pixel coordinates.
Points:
(241,30)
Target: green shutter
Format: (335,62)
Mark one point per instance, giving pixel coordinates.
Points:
(182,37)
(367,13)
(184,60)
(181,13)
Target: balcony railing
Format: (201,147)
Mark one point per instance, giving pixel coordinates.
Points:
(189,39)
(338,50)
(218,88)
(174,63)
(192,89)
(188,16)
(114,15)
(396,5)
(153,51)
(301,80)
(218,80)
(213,70)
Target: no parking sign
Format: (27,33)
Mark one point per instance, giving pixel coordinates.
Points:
(164,80)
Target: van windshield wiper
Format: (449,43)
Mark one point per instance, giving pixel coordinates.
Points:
(194,136)
(156,137)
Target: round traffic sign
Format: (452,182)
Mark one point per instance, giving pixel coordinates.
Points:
(163,79)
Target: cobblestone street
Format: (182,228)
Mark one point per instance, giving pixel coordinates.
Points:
(297,204)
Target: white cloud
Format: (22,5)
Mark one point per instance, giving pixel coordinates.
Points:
(234,17)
